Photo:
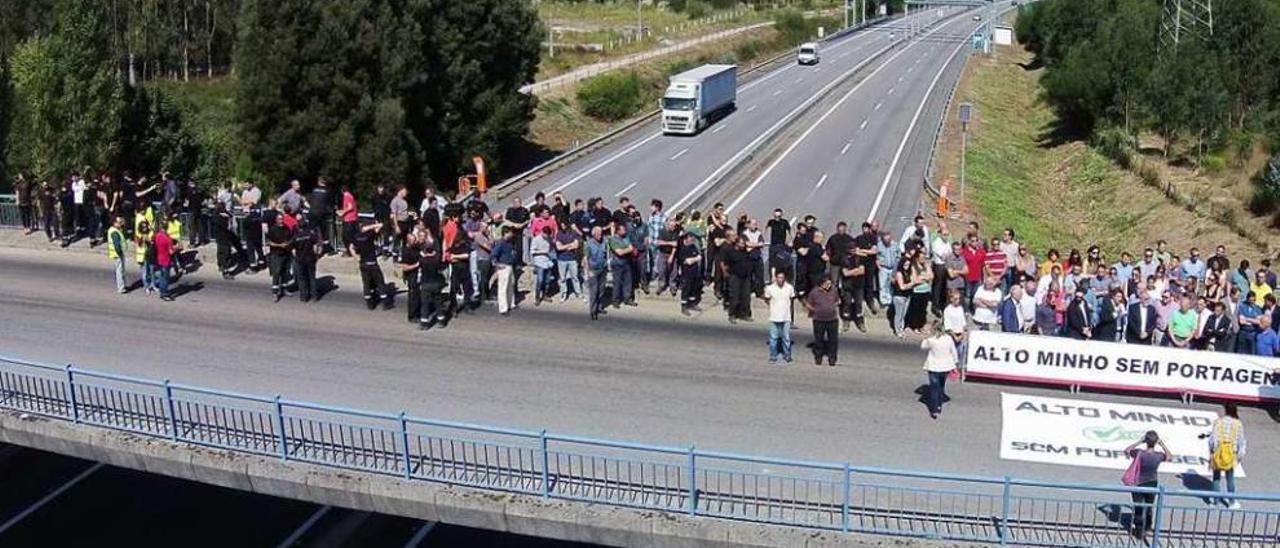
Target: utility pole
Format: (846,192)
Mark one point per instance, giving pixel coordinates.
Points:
(639,23)
(966,114)
(1181,18)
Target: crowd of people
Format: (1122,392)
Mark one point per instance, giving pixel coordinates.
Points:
(452,256)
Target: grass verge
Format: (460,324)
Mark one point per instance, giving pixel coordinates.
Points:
(1055,193)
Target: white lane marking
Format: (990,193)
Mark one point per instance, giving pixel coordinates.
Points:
(820,181)
(909,69)
(878,105)
(49,498)
(900,78)
(777,93)
(603,163)
(884,185)
(768,133)
(625,189)
(427,527)
(891,90)
(888,62)
(718,129)
(864,124)
(679,154)
(800,80)
(846,148)
(306,526)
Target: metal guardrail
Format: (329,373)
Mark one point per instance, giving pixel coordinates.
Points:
(518,182)
(815,495)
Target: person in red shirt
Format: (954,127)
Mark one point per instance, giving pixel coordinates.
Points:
(975,259)
(164,260)
(995,261)
(350,216)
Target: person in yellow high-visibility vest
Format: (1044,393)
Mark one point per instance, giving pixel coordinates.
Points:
(174,229)
(115,251)
(143,240)
(147,214)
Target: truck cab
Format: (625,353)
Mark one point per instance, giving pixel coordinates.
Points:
(697,97)
(808,53)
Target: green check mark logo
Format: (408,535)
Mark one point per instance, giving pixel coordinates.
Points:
(1110,434)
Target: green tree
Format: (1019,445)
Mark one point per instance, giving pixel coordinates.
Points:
(70,100)
(1247,40)
(6,116)
(319,89)
(464,97)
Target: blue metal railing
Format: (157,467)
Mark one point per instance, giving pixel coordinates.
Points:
(816,495)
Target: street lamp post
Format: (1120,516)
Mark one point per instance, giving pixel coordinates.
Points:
(966,114)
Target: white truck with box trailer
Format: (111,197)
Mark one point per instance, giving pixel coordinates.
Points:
(695,97)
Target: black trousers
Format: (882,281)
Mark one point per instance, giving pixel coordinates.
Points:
(460,280)
(826,340)
(940,289)
(253,242)
(28,221)
(414,296)
(431,307)
(740,297)
(224,256)
(278,265)
(484,270)
(375,286)
(852,296)
(691,286)
(49,217)
(305,272)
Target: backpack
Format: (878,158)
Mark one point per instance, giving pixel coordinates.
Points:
(1224,455)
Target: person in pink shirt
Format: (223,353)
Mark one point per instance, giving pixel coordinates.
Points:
(545,220)
(350,215)
(164,260)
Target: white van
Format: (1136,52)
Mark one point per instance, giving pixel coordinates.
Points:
(808,53)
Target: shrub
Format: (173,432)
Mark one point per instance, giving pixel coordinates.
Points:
(749,51)
(611,97)
(1262,200)
(1113,143)
(1240,146)
(1213,163)
(696,9)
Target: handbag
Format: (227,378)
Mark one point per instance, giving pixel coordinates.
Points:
(1130,477)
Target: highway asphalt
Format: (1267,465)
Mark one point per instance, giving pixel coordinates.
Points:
(865,156)
(647,164)
(645,374)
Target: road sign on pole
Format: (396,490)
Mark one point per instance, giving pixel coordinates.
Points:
(966,114)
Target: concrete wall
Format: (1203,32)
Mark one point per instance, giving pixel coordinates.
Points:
(521,514)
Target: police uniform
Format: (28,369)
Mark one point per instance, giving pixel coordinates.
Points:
(432,288)
(305,241)
(281,239)
(410,257)
(375,286)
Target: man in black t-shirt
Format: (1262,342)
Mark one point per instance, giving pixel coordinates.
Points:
(320,208)
(777,229)
(689,262)
(666,242)
(852,271)
(737,272)
(306,253)
(864,246)
(838,246)
(365,246)
(410,264)
(517,220)
(431,277)
(280,241)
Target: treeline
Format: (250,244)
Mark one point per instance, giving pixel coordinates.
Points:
(175,39)
(1108,75)
(358,91)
